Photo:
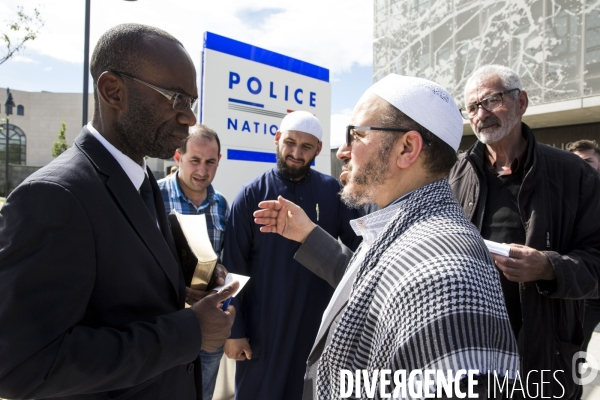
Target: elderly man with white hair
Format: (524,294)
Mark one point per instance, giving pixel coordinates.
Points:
(282,304)
(544,202)
(421,292)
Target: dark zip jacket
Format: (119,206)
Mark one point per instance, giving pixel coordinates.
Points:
(559,204)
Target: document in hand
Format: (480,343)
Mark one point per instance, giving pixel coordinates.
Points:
(498,248)
(198,259)
(242,279)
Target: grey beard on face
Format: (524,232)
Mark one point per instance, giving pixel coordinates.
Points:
(499,132)
(355,199)
(367,182)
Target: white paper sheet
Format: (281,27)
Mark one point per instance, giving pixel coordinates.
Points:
(234,277)
(498,248)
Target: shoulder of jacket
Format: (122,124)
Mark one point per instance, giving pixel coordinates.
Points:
(560,158)
(70,167)
(460,169)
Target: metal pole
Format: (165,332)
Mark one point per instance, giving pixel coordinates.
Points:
(86,63)
(6,155)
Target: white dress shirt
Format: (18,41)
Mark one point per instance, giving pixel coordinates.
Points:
(134,171)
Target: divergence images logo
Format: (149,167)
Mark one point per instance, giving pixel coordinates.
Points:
(584,372)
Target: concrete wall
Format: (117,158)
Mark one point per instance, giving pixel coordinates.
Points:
(44,112)
(16,175)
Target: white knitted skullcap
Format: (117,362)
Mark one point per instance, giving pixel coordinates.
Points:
(302,121)
(426,102)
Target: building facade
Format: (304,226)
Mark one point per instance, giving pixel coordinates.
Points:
(554,45)
(34,125)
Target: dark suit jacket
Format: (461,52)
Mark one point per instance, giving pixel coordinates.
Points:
(91,291)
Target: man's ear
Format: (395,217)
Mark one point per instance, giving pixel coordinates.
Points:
(319,147)
(177,156)
(523,102)
(408,148)
(111,90)
(277,137)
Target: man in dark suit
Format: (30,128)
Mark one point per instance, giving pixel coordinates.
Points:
(92,292)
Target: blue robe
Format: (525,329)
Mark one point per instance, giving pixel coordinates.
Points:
(280,308)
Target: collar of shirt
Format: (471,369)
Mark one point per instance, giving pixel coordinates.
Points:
(134,171)
(515,165)
(177,193)
(371,225)
(303,179)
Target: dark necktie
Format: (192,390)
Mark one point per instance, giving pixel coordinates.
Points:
(148,196)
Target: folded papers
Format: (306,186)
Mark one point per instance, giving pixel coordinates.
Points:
(498,248)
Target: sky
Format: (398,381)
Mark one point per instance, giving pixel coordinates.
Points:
(339,38)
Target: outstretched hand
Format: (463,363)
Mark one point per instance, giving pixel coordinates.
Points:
(285,218)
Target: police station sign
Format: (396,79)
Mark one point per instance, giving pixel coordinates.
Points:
(245,93)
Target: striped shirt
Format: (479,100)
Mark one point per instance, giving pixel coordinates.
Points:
(215,208)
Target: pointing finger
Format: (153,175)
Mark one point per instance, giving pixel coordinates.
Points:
(270,205)
(286,203)
(265,213)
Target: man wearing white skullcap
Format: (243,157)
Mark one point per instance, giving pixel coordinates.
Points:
(280,309)
(421,292)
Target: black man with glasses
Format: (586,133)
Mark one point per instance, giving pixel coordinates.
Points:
(91,286)
(544,203)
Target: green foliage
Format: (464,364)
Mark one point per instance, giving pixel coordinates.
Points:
(60,146)
(21,30)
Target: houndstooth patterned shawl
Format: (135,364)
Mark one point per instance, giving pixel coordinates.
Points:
(427,296)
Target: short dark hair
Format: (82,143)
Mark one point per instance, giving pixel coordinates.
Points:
(121,49)
(439,157)
(583,145)
(200,132)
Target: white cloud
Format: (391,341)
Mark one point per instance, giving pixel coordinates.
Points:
(23,59)
(333,35)
(338,127)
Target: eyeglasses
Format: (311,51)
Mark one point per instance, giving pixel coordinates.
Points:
(181,102)
(350,135)
(489,103)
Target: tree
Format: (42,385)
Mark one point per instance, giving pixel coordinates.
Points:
(21,30)
(60,146)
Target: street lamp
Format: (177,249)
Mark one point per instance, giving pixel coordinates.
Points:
(86,62)
(8,106)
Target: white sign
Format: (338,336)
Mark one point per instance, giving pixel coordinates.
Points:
(245,93)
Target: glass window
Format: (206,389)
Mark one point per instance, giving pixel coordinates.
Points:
(17,145)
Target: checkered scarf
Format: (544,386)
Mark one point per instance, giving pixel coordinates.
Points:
(427,296)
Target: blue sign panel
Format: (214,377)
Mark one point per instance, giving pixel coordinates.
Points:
(253,53)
